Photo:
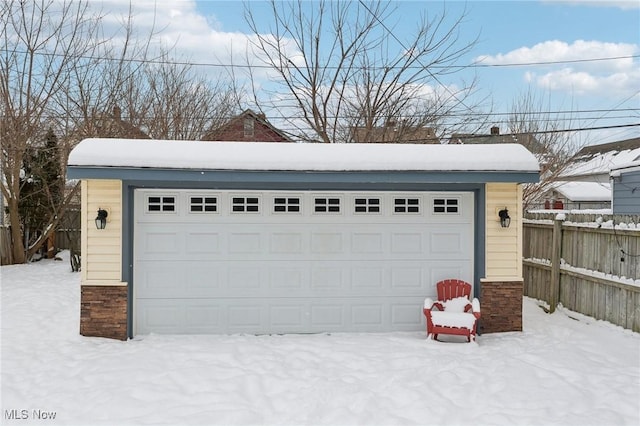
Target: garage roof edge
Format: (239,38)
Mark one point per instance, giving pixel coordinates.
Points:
(266,156)
(297,178)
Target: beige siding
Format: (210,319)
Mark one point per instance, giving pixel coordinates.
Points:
(504,245)
(101,249)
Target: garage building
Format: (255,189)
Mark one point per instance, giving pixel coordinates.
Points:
(260,238)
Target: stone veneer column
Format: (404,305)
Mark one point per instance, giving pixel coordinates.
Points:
(103,311)
(501,306)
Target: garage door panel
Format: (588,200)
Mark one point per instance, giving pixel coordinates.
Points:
(405,316)
(295,315)
(202,317)
(162,243)
(287,243)
(281,279)
(407,243)
(368,278)
(327,243)
(327,315)
(244,279)
(370,242)
(447,244)
(202,243)
(288,278)
(244,242)
(407,277)
(366,316)
(367,268)
(245,316)
(328,278)
(162,279)
(287,316)
(159,316)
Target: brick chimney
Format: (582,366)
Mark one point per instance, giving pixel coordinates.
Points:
(495,130)
(117,112)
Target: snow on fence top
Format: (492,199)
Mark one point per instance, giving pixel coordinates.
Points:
(165,154)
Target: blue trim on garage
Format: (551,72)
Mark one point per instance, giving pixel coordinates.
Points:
(268,178)
(129,186)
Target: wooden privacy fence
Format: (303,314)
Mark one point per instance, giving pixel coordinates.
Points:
(586,264)
(6,256)
(68,231)
(67,237)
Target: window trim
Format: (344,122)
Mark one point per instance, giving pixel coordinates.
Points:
(407,205)
(204,204)
(161,203)
(328,204)
(447,208)
(244,204)
(287,204)
(369,208)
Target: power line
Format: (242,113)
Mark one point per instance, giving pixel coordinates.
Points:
(395,37)
(568,61)
(258,66)
(505,116)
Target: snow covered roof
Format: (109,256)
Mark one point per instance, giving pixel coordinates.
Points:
(602,163)
(584,191)
(625,168)
(163,154)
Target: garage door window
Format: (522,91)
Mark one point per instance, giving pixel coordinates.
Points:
(161,204)
(406,205)
(367,205)
(203,204)
(245,204)
(327,205)
(286,205)
(445,205)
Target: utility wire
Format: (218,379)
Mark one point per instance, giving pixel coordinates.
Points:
(395,37)
(409,116)
(568,61)
(258,66)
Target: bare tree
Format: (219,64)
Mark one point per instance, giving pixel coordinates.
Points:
(340,65)
(538,129)
(179,104)
(40,48)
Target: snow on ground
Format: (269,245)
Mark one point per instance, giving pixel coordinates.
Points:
(563,369)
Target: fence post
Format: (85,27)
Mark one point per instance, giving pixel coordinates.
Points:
(556,254)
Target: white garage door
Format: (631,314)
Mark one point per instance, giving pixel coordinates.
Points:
(294,262)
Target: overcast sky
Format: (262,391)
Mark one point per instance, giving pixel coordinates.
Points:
(561,50)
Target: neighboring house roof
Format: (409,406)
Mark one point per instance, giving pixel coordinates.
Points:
(583,191)
(113,126)
(599,160)
(625,168)
(528,140)
(248,126)
(113,153)
(393,133)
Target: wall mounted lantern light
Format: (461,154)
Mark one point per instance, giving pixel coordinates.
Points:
(505,220)
(101,219)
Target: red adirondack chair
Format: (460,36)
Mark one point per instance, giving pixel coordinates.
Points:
(454,312)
